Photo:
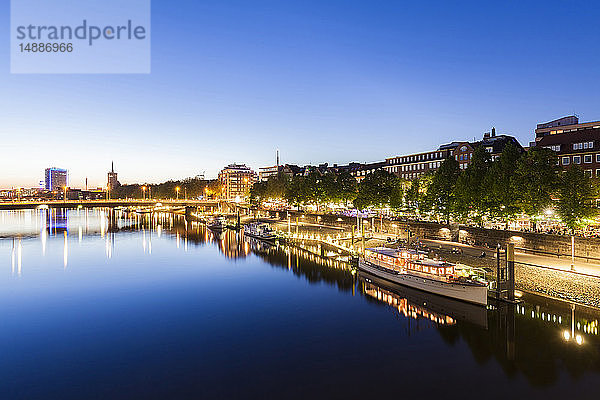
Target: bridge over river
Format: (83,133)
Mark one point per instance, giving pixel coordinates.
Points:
(205,205)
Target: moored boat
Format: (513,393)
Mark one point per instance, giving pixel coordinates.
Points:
(260,231)
(217,223)
(411,268)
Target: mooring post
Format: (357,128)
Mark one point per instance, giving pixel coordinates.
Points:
(363,239)
(498,271)
(510,271)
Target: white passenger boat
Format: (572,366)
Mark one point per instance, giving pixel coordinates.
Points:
(411,268)
(260,231)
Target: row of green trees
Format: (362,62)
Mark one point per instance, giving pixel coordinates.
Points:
(515,183)
(190,187)
(314,189)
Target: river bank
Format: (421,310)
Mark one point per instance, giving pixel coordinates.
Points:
(542,279)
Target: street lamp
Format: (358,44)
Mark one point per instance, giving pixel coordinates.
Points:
(65,193)
(177,191)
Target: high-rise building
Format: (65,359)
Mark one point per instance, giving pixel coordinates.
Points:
(236,181)
(113,182)
(56,178)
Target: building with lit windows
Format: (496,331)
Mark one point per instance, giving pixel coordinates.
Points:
(360,171)
(56,179)
(236,181)
(264,173)
(412,166)
(574,142)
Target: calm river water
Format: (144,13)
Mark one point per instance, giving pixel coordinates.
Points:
(104,305)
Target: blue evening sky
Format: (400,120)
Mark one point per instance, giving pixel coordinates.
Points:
(323,81)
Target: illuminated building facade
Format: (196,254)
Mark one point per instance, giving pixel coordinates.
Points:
(56,179)
(412,166)
(574,143)
(236,181)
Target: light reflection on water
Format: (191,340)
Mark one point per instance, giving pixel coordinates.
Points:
(154,305)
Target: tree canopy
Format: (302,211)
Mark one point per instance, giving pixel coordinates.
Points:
(377,189)
(441,194)
(576,197)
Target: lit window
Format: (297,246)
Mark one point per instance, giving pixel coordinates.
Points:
(576,159)
(565,160)
(587,158)
(588,173)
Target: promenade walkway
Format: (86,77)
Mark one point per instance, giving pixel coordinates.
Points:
(548,261)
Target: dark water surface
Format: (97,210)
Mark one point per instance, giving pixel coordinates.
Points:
(102,305)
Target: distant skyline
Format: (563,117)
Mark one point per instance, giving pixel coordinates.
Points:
(322,81)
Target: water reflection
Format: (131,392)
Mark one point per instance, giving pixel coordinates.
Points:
(536,338)
(539,338)
(419,305)
(16,253)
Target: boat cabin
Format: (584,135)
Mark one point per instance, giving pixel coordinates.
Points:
(408,261)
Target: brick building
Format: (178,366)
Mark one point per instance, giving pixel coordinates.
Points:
(415,165)
(573,142)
